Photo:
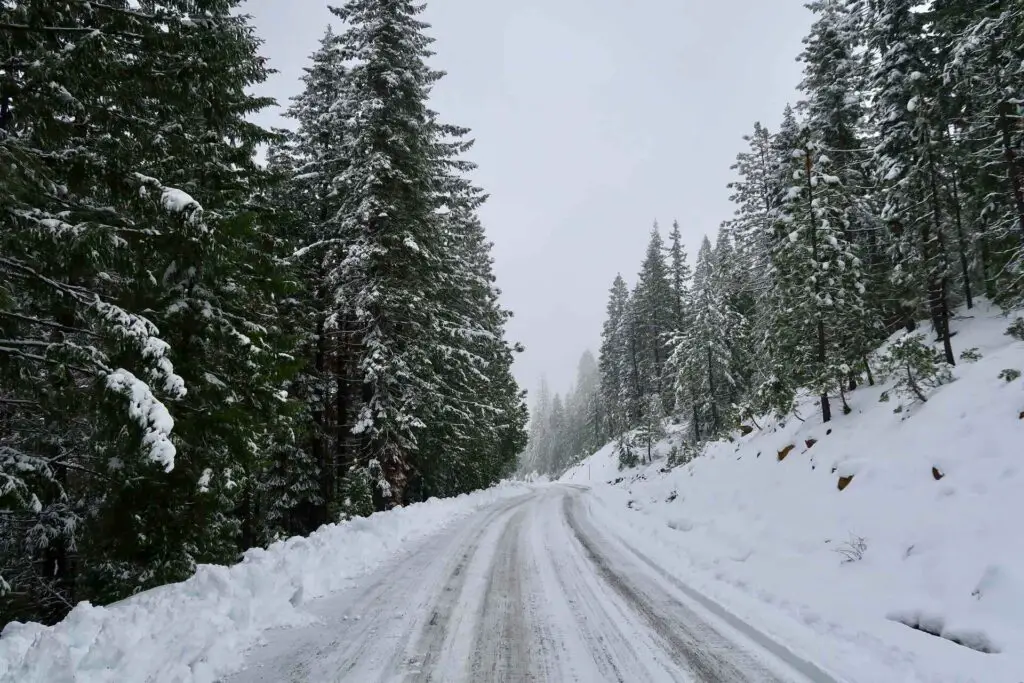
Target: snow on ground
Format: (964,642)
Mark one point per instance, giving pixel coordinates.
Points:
(942,548)
(197,630)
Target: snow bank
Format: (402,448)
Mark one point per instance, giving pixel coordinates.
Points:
(198,630)
(936,495)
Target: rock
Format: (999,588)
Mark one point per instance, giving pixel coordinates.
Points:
(745,429)
(810,443)
(828,432)
(844,482)
(785,451)
(936,474)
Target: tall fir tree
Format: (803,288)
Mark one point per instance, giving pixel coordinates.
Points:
(613,359)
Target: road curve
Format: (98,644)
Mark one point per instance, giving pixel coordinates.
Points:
(529,590)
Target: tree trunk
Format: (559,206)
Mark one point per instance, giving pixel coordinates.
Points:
(696,423)
(319,414)
(826,409)
(935,262)
(711,391)
(965,271)
(871,377)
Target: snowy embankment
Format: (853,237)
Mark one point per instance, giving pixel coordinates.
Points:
(197,630)
(912,571)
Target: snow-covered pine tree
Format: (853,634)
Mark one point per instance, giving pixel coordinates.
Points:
(819,305)
(557,430)
(536,456)
(983,53)
(384,281)
(908,115)
(83,376)
(328,389)
(476,419)
(634,388)
(293,502)
(680,276)
(208,278)
(756,195)
(834,115)
(588,404)
(612,362)
(655,303)
(701,354)
(680,280)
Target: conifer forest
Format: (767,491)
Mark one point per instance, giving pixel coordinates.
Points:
(201,352)
(892,192)
(215,335)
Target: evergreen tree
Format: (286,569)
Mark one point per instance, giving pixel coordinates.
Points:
(908,115)
(613,361)
(654,303)
(982,58)
(387,238)
(680,276)
(701,353)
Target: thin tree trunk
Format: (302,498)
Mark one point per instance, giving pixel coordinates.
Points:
(319,413)
(965,270)
(826,408)
(696,423)
(711,390)
(937,282)
(871,377)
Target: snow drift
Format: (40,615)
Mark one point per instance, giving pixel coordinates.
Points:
(914,571)
(197,630)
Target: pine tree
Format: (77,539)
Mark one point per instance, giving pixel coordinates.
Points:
(820,304)
(835,119)
(612,363)
(982,58)
(209,280)
(654,302)
(680,275)
(701,354)
(908,115)
(389,235)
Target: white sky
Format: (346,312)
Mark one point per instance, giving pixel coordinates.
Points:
(592,118)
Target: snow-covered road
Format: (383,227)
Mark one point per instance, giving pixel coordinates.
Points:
(528,589)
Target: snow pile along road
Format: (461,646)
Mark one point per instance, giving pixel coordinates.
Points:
(886,543)
(197,630)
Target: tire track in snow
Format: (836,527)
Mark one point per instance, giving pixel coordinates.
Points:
(365,629)
(690,640)
(612,639)
(501,647)
(433,639)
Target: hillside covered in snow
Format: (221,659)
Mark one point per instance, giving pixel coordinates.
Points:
(888,538)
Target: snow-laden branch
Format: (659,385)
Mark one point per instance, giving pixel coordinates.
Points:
(149,414)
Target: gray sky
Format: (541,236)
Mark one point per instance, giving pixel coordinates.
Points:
(592,118)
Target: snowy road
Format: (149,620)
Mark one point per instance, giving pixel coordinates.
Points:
(526,590)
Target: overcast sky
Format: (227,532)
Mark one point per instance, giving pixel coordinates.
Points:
(592,118)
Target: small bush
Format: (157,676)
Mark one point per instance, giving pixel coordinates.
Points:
(853,550)
(628,455)
(970,355)
(1009,374)
(916,367)
(1016,329)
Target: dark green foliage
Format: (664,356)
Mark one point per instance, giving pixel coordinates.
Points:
(892,192)
(915,367)
(199,354)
